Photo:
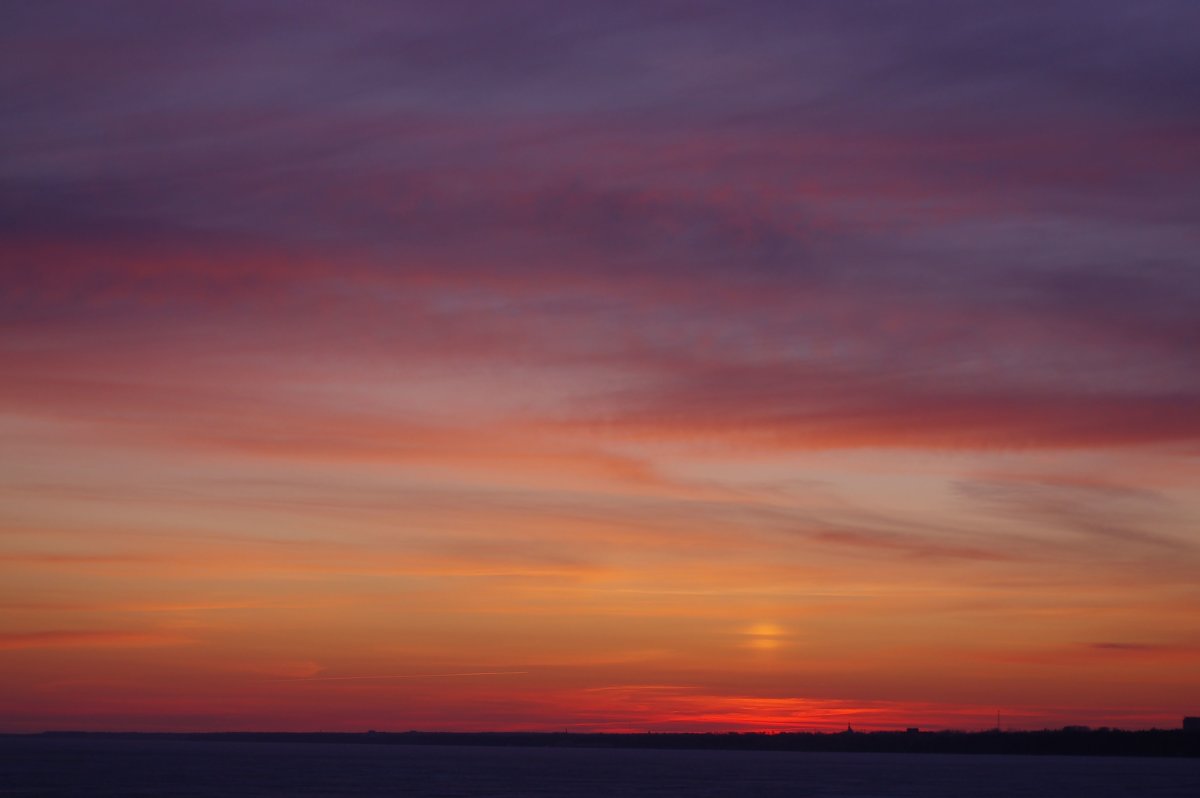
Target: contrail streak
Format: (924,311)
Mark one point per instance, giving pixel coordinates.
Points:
(405,676)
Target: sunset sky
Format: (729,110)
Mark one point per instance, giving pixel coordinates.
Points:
(599,365)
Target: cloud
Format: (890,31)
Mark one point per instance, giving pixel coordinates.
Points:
(790,405)
(1099,654)
(1130,518)
(59,638)
(911,546)
(403,676)
(72,558)
(1131,647)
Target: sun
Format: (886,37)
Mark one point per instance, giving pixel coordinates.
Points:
(763,636)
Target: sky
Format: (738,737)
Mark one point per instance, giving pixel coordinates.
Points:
(618,366)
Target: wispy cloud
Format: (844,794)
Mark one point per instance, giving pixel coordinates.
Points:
(1119,515)
(400,676)
(83,638)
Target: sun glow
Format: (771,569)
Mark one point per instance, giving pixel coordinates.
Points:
(763,636)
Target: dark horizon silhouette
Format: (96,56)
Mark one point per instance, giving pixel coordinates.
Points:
(1069,740)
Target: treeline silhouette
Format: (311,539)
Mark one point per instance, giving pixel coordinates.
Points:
(1072,742)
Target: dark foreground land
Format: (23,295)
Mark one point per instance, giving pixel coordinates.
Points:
(1064,742)
(174,765)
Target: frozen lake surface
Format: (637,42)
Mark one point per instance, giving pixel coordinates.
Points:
(70,767)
